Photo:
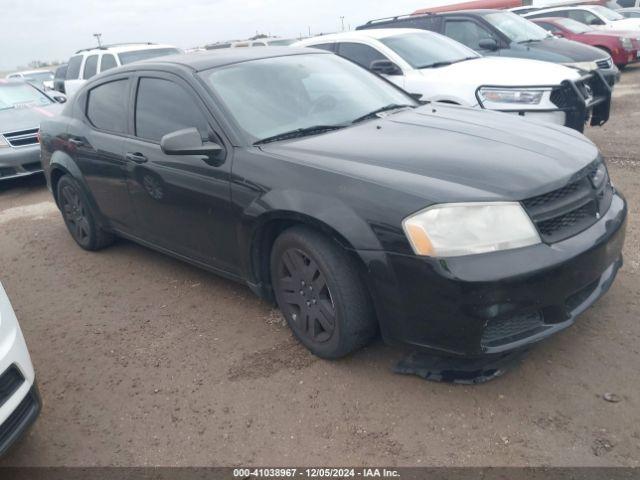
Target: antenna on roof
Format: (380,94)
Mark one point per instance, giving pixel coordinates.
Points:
(98,38)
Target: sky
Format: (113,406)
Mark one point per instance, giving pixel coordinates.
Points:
(54,29)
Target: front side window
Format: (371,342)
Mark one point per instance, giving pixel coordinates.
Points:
(107,106)
(626,3)
(139,55)
(73,69)
(21,95)
(359,53)
(423,50)
(329,47)
(584,16)
(272,96)
(107,61)
(467,32)
(164,107)
(516,28)
(90,67)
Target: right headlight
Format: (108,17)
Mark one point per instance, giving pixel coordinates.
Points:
(496,98)
(3,142)
(626,43)
(456,229)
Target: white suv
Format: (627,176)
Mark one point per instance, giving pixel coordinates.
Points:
(440,69)
(89,62)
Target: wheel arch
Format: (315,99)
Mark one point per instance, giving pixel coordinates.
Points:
(270,226)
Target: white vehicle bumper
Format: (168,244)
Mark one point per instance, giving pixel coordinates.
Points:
(19,399)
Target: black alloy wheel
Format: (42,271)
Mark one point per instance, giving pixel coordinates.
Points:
(319,290)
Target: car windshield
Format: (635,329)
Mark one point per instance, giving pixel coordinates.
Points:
(516,28)
(573,26)
(423,50)
(138,55)
(270,97)
(607,13)
(18,95)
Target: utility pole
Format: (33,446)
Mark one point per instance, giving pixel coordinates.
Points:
(342,20)
(98,38)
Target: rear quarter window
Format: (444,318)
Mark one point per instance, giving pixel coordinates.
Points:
(107,106)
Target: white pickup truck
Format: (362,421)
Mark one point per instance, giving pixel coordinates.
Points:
(440,69)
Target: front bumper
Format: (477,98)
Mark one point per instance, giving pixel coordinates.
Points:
(19,162)
(19,399)
(498,302)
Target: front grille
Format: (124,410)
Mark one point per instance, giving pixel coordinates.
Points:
(10,382)
(502,330)
(22,138)
(606,63)
(571,209)
(7,171)
(19,420)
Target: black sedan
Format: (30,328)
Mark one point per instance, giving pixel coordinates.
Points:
(327,189)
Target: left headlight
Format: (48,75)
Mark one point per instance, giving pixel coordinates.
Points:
(496,98)
(456,229)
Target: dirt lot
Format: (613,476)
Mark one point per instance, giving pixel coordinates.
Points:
(143,360)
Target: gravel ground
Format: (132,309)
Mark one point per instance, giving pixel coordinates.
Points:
(143,360)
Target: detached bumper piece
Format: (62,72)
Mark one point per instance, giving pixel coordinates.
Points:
(20,420)
(589,96)
(465,371)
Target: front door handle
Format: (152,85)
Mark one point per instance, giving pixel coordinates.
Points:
(76,142)
(136,157)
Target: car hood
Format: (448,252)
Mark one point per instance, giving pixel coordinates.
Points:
(503,71)
(561,50)
(26,118)
(449,153)
(627,23)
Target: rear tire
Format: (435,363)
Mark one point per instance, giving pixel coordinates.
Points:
(79,217)
(320,293)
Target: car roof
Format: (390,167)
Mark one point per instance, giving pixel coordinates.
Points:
(567,7)
(126,47)
(367,33)
(628,9)
(200,61)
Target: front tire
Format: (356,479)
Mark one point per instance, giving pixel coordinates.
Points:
(318,288)
(78,216)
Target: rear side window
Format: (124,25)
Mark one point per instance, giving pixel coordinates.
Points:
(107,61)
(73,69)
(90,67)
(107,106)
(363,55)
(467,32)
(626,3)
(164,107)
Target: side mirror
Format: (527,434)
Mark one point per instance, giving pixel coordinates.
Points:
(385,67)
(596,21)
(188,142)
(488,44)
(558,34)
(60,98)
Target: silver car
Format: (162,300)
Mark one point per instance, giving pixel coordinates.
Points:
(22,107)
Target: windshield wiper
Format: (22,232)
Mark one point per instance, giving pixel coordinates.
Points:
(435,65)
(299,132)
(375,113)
(531,40)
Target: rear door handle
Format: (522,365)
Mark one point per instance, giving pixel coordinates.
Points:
(76,142)
(136,157)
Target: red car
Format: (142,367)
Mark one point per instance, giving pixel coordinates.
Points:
(623,46)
